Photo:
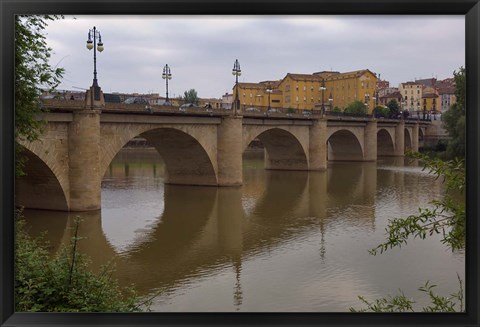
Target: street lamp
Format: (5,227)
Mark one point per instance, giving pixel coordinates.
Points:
(94,33)
(323,88)
(166,76)
(236,71)
(269,91)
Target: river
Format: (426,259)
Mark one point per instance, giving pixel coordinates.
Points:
(285,241)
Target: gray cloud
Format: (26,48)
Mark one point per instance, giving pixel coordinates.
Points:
(201,49)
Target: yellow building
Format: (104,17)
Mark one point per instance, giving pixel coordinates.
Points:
(257,94)
(300,91)
(431,101)
(345,88)
(310,91)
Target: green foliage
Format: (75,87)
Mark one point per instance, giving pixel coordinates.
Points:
(290,111)
(64,283)
(336,109)
(381,111)
(190,96)
(32,74)
(356,107)
(447,217)
(393,108)
(453,120)
(400,303)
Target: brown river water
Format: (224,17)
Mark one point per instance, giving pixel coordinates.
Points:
(285,241)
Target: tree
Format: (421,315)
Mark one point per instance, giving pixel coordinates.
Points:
(356,107)
(33,73)
(453,120)
(381,111)
(394,108)
(190,96)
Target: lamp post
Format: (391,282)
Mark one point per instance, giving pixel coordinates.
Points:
(166,76)
(269,91)
(323,88)
(94,33)
(236,71)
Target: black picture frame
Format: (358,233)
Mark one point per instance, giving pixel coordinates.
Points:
(469,8)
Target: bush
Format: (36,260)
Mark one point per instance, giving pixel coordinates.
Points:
(64,283)
(381,111)
(356,107)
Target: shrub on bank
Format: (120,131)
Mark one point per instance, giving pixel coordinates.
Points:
(64,283)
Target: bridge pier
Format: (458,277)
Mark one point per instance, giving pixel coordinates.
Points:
(400,139)
(84,160)
(415,130)
(370,141)
(229,151)
(318,145)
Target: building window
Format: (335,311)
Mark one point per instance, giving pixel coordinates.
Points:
(304,87)
(305,99)
(296,98)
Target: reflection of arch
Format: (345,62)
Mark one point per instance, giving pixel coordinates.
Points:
(385,144)
(283,150)
(282,196)
(407,139)
(184,238)
(40,188)
(186,158)
(343,145)
(339,175)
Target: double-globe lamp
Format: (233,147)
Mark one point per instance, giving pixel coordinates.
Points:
(236,71)
(92,44)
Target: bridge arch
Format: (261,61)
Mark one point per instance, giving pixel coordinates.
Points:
(41,187)
(385,143)
(344,145)
(188,152)
(284,149)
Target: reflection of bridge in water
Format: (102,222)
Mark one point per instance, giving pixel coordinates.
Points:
(67,163)
(215,228)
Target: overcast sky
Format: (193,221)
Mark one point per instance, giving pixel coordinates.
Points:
(201,50)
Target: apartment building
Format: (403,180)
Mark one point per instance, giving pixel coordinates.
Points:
(412,95)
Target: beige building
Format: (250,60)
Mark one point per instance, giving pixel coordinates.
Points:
(412,93)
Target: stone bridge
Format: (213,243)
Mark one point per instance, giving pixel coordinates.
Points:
(66,164)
